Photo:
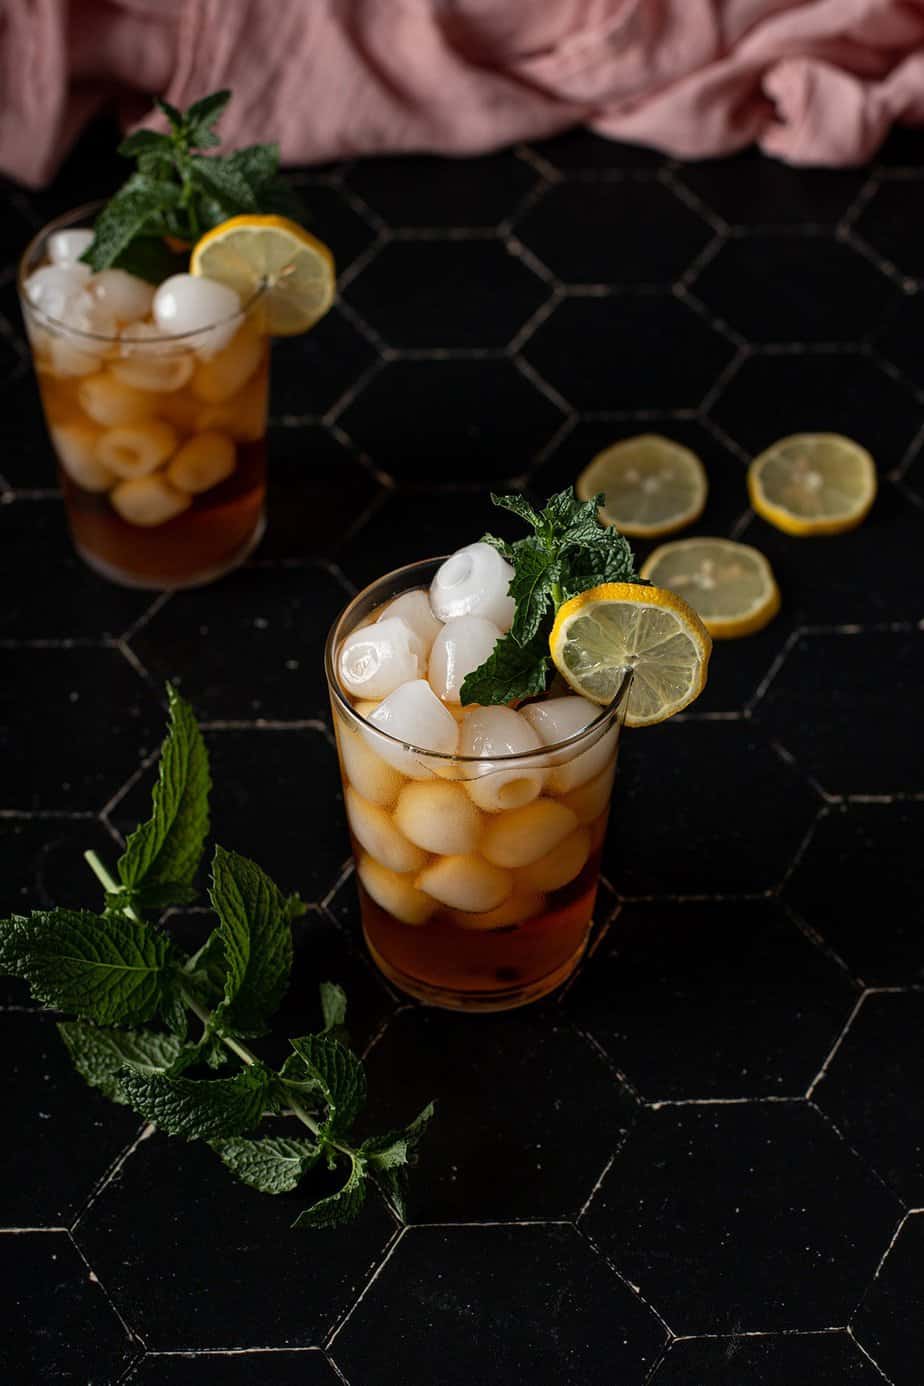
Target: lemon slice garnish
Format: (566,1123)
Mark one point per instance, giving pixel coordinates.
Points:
(813,483)
(651,486)
(294,269)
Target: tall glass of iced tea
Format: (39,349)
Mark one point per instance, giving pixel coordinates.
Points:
(476,831)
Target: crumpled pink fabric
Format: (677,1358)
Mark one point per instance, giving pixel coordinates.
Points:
(811,81)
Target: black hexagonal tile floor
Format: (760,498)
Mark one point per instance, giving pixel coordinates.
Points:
(892,222)
(28,461)
(338,224)
(469,421)
(317,492)
(732,1218)
(903,147)
(750,189)
(10,360)
(422,191)
(827,1359)
(64,1329)
(628,351)
(615,244)
(898,337)
(494,1153)
(270,1368)
(872,1089)
(496,1305)
(758,1006)
(818,392)
(51,1109)
(83,722)
(820,290)
(677,825)
(310,373)
(846,729)
(447,294)
(281,616)
(173,1216)
(885,1322)
(582,151)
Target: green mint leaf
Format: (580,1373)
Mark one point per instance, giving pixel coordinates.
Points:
(510,672)
(153,898)
(504,548)
(167,848)
(520,506)
(258,164)
(113,971)
(535,572)
(338,1075)
(150,258)
(273,1165)
(126,216)
(339,1207)
(202,115)
(333,1005)
(145,142)
(173,1011)
(565,515)
(257,938)
(608,559)
(389,1156)
(295,907)
(204,1109)
(224,184)
(175,117)
(99,1056)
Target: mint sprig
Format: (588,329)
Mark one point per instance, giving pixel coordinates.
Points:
(178,191)
(134,996)
(568,552)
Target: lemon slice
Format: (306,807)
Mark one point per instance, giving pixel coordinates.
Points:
(730,586)
(813,483)
(650,486)
(600,633)
(295,269)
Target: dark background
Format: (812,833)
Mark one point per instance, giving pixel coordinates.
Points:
(700,1165)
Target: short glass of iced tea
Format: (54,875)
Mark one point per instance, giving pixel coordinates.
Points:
(160,436)
(477,831)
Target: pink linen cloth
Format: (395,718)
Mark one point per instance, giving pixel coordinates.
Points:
(811,81)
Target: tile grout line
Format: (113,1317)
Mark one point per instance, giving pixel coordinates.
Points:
(397,1238)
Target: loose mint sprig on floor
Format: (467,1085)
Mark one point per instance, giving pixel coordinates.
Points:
(133,991)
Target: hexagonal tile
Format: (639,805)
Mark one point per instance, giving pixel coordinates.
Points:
(872,1089)
(316,493)
(310,373)
(447,294)
(898,339)
(418,190)
(837,889)
(309,1368)
(28,461)
(174,1214)
(749,189)
(628,351)
(460,421)
(893,1336)
(820,392)
(495,1305)
(892,222)
(846,728)
(280,615)
(64,1327)
(677,825)
(902,147)
(530,1167)
(758,1006)
(83,722)
(336,222)
(51,1109)
(827,1359)
(581,151)
(615,244)
(731,1218)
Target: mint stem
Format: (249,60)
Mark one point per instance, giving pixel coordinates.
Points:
(557,594)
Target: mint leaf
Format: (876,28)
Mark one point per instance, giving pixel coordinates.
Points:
(341,1206)
(273,1165)
(518,505)
(510,672)
(203,1109)
(145,142)
(224,183)
(110,970)
(174,116)
(257,938)
(389,1156)
(100,1055)
(257,163)
(295,907)
(150,258)
(333,1005)
(536,569)
(337,1074)
(127,215)
(503,546)
(201,117)
(608,559)
(168,847)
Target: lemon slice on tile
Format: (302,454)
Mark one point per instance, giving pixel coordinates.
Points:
(730,586)
(813,483)
(294,269)
(651,486)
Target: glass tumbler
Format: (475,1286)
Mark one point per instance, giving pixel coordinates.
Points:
(160,440)
(476,878)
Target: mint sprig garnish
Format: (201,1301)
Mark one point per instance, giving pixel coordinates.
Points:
(568,552)
(179,192)
(134,997)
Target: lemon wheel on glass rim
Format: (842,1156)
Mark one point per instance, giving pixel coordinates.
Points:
(813,483)
(600,633)
(729,585)
(651,486)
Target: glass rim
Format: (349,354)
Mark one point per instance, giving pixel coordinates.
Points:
(86,212)
(607,714)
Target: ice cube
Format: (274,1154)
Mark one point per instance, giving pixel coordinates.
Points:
(120,295)
(520,906)
(202,462)
(375,660)
(590,799)
(394,893)
(499,731)
(524,835)
(66,247)
(136,449)
(192,303)
(474,582)
(53,287)
(558,718)
(110,402)
(375,830)
(148,501)
(466,883)
(438,817)
(244,416)
(414,714)
(464,643)
(75,445)
(414,608)
(371,776)
(222,374)
(69,359)
(148,362)
(558,867)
